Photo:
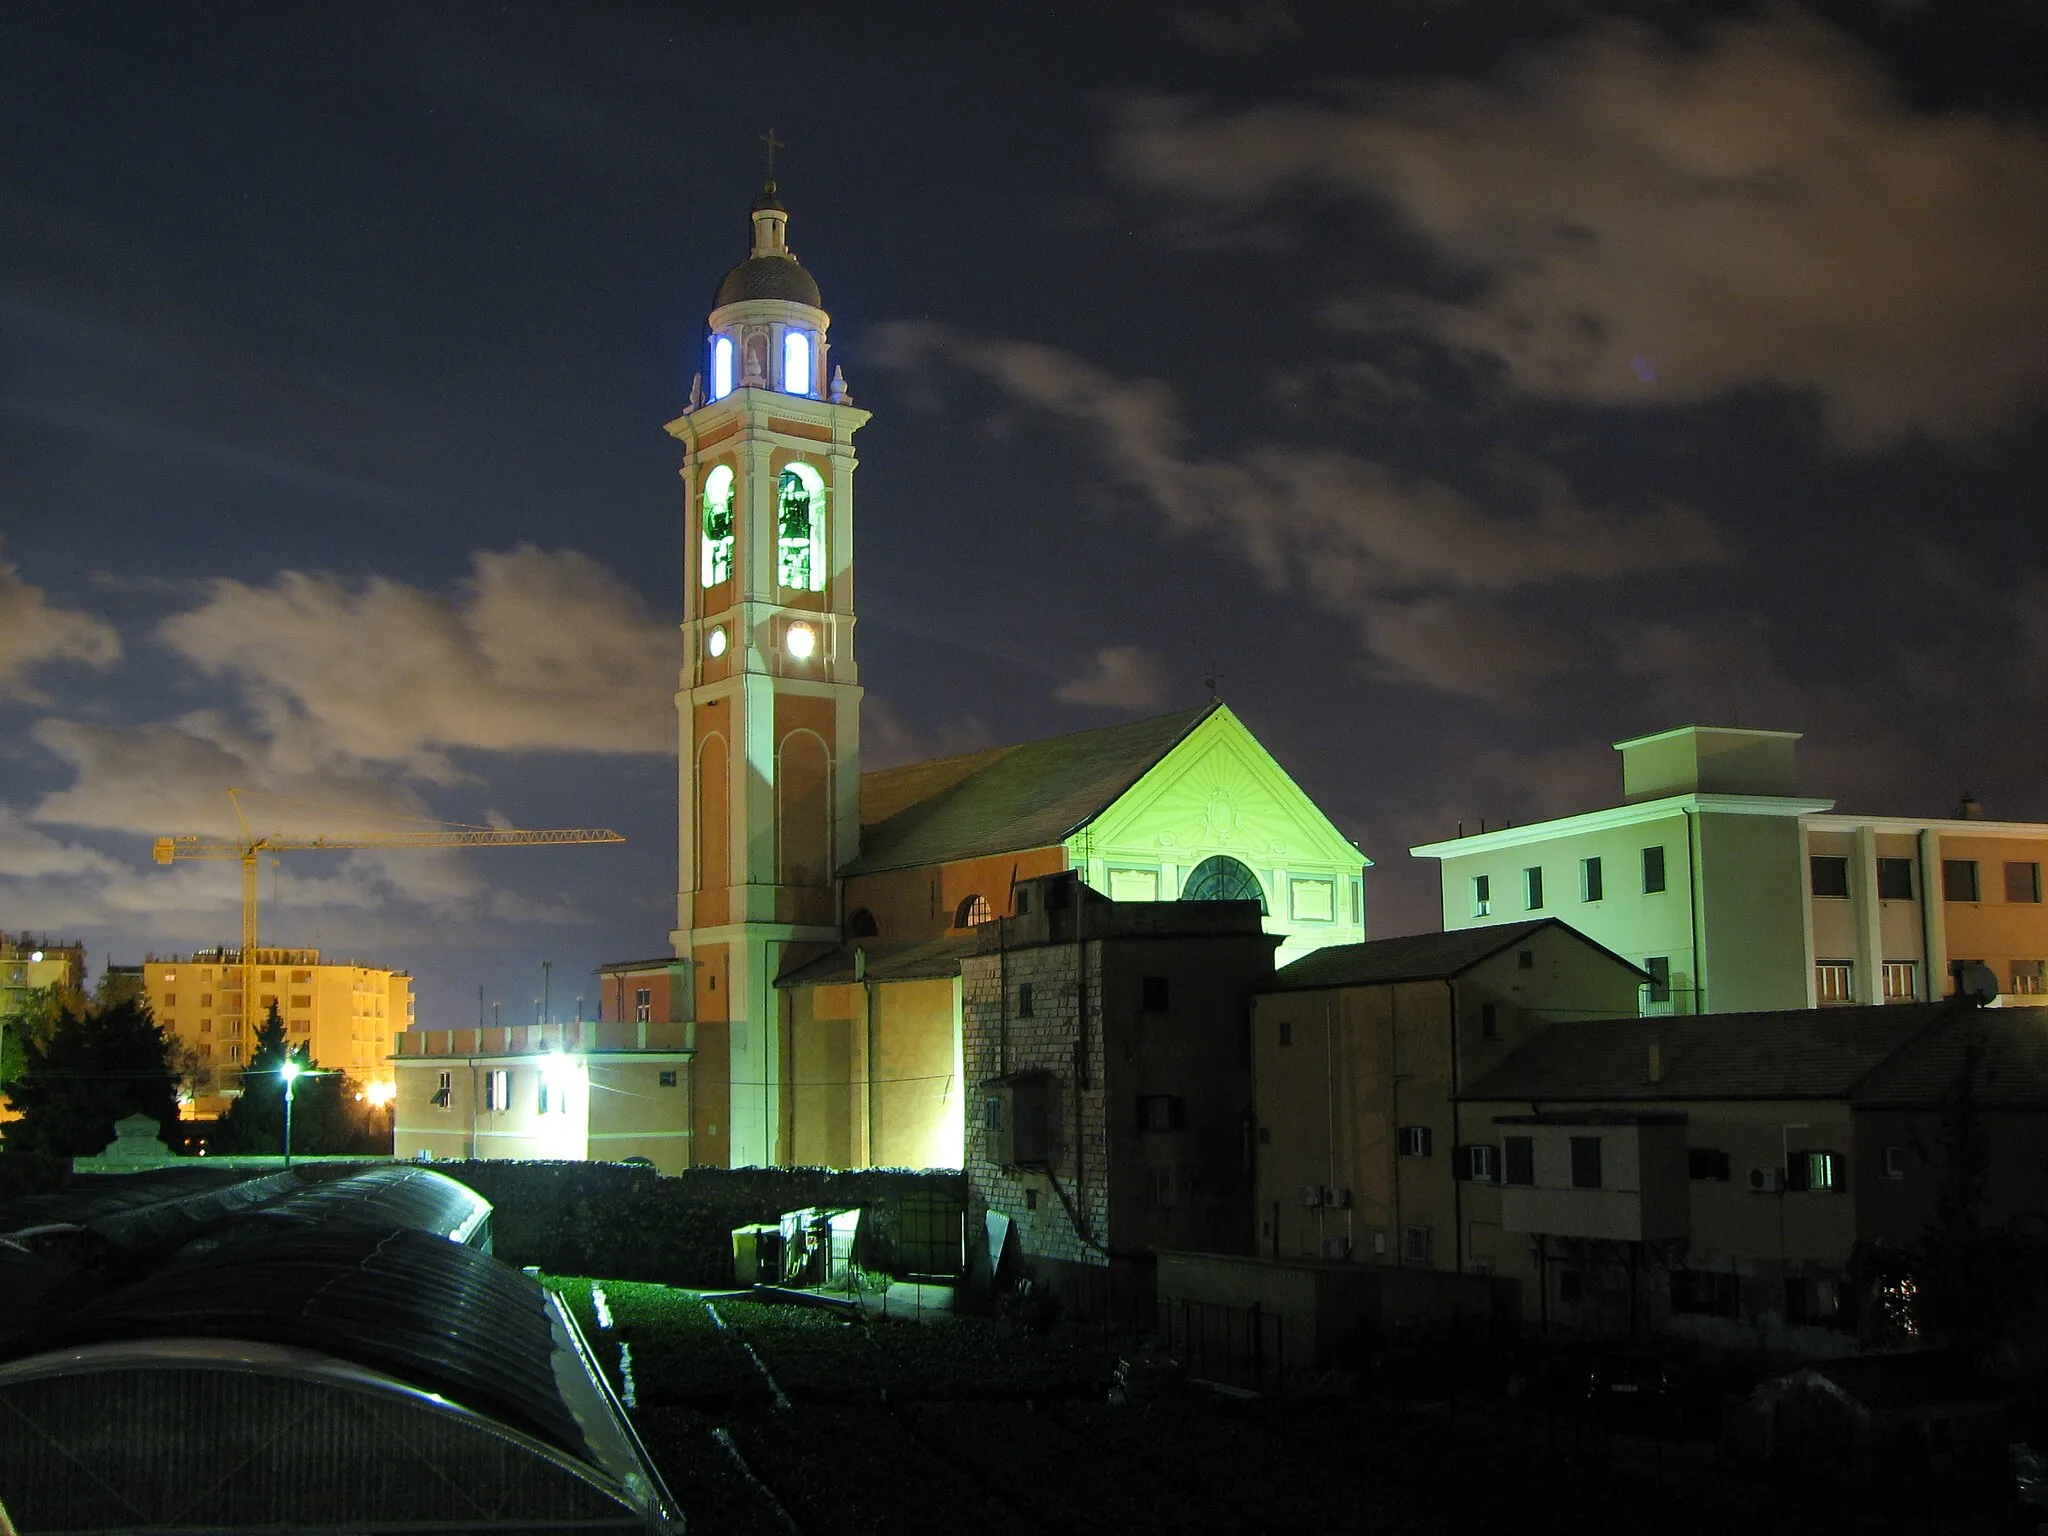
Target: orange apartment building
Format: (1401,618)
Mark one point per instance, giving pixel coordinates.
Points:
(346,1015)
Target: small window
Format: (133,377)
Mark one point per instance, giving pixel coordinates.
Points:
(1959,880)
(1154,994)
(1026,995)
(1895,879)
(1489,1021)
(1713,1292)
(1653,870)
(170,999)
(1525,960)
(1030,1199)
(1895,1162)
(1479,1162)
(973,912)
(1023,900)
(1659,988)
(444,1091)
(992,1113)
(643,1005)
(1159,1112)
(796,362)
(2022,882)
(1830,876)
(2029,978)
(497,1089)
(1532,888)
(234,1053)
(205,1048)
(1415,1245)
(1518,1160)
(1482,895)
(721,367)
(1592,885)
(540,1098)
(206,1026)
(1833,980)
(1901,981)
(1415,1141)
(1287,1031)
(1709,1163)
(667,1079)
(1585,1162)
(861,924)
(1815,1171)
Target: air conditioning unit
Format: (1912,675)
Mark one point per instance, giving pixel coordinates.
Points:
(1766,1181)
(1337,1199)
(1336,1247)
(1311,1194)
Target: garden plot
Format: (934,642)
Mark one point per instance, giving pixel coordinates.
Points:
(679,1355)
(856,1470)
(1023,1456)
(816,1356)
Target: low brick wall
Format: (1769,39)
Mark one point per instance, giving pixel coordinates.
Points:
(634,1224)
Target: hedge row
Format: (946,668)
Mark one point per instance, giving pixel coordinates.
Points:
(634,1224)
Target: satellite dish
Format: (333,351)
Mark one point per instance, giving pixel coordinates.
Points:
(1978,982)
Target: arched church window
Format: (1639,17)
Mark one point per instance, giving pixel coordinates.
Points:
(800,542)
(717,557)
(860,924)
(721,367)
(796,362)
(1222,878)
(973,912)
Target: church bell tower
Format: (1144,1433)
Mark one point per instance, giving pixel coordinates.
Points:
(769,704)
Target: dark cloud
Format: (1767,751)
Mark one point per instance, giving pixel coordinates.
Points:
(1649,223)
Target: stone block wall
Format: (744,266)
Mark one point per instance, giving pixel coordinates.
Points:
(1062,1213)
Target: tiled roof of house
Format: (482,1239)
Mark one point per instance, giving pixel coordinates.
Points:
(1413,957)
(2011,1069)
(1007,798)
(1798,1053)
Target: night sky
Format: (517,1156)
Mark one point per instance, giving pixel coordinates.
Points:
(1473,385)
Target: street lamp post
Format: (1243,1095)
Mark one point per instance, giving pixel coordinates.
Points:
(290,1073)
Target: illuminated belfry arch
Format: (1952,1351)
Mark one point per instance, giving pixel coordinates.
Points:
(769,703)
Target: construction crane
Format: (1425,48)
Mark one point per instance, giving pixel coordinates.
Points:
(249,848)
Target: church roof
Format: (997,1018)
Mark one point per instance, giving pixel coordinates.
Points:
(769,277)
(882,960)
(1007,798)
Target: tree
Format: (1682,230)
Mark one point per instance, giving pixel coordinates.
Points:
(85,1068)
(326,1117)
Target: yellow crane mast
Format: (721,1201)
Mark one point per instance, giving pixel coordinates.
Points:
(249,848)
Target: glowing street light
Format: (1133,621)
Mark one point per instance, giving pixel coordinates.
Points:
(290,1073)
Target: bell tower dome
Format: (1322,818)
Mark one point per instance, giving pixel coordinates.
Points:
(769,704)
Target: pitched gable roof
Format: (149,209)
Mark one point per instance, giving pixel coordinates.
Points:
(1414,957)
(1798,1053)
(2011,1069)
(1008,798)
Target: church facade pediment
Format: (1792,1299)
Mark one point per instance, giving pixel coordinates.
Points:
(1214,811)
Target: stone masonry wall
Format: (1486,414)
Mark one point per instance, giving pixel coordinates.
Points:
(1042,1206)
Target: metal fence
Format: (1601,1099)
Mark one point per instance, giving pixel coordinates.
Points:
(1238,1346)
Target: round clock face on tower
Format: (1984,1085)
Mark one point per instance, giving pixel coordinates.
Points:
(801,640)
(715,641)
